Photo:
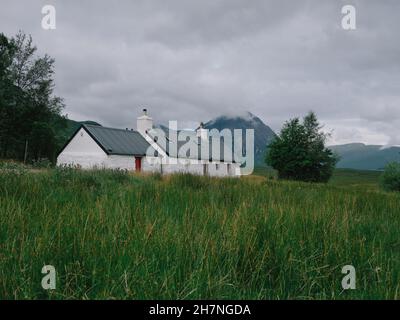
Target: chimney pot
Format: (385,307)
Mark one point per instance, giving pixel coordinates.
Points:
(201,132)
(144,122)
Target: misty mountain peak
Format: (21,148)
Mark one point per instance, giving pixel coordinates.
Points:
(263,134)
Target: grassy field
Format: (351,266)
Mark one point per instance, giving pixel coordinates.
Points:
(365,179)
(113,235)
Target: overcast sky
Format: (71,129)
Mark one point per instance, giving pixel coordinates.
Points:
(192,60)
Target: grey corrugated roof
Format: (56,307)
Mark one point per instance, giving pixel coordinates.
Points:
(197,141)
(118,141)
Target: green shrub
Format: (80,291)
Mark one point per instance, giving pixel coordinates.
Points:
(13,167)
(390,179)
(42,163)
(96,178)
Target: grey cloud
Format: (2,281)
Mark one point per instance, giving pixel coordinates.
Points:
(193,60)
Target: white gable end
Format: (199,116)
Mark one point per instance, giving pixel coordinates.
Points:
(83,143)
(82,150)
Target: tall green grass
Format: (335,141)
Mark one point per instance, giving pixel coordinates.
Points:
(117,236)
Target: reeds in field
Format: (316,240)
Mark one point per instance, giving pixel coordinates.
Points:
(110,234)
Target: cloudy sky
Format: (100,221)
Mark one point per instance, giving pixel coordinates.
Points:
(191,60)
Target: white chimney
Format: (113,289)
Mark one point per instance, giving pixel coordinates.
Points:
(202,132)
(144,122)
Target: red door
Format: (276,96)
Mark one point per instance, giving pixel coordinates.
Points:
(138,164)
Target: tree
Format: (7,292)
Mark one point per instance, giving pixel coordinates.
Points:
(299,152)
(390,179)
(28,107)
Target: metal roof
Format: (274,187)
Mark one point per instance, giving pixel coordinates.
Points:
(224,153)
(118,141)
(129,142)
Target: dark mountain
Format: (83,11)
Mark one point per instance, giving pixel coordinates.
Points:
(365,157)
(65,128)
(263,134)
(72,126)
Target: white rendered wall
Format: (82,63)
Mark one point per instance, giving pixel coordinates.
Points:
(119,162)
(172,165)
(151,164)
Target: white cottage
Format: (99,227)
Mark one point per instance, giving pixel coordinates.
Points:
(148,149)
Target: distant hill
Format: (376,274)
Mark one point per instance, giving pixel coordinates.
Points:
(365,157)
(263,134)
(65,128)
(72,125)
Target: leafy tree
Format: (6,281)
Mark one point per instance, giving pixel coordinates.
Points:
(28,107)
(299,152)
(390,179)
(9,96)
